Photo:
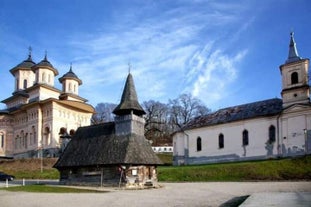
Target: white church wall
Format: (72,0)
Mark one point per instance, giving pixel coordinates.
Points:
(293,136)
(258,131)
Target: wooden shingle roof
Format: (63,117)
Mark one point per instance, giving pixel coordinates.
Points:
(97,145)
(129,101)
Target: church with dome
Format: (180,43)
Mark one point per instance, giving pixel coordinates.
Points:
(39,118)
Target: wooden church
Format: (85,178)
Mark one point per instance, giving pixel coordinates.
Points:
(112,154)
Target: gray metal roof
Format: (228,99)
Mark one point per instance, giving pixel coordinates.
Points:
(70,75)
(292,53)
(268,107)
(129,101)
(97,145)
(26,64)
(45,64)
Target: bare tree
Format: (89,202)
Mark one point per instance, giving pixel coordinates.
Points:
(103,113)
(185,108)
(161,119)
(156,127)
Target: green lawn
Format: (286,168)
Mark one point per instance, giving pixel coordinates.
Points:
(284,169)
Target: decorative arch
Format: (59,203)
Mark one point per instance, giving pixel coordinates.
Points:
(199,144)
(294,78)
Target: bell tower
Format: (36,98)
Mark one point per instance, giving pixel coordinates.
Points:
(129,113)
(295,80)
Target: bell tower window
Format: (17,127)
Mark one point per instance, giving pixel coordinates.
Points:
(25,84)
(294,78)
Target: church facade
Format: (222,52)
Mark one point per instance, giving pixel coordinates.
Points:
(260,130)
(38,116)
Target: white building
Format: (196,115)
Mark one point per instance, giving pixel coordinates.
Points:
(38,114)
(260,130)
(162,149)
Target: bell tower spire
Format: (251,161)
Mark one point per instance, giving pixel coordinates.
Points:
(129,113)
(295,80)
(292,53)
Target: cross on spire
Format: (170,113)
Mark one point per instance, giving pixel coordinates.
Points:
(29,52)
(130,66)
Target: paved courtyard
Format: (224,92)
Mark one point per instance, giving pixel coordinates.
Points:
(171,194)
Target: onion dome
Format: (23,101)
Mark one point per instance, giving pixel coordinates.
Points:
(70,75)
(45,64)
(26,64)
(129,101)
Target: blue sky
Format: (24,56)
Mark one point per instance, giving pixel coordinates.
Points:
(223,52)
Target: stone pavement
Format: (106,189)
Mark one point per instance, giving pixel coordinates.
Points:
(170,195)
(284,199)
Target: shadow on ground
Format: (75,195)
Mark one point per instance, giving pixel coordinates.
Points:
(234,202)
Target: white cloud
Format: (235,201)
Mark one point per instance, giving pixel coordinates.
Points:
(212,73)
(165,52)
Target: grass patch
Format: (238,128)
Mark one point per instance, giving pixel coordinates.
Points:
(30,168)
(166,158)
(284,169)
(47,189)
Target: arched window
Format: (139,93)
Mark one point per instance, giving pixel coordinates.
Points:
(271,134)
(25,84)
(26,140)
(47,135)
(34,138)
(49,78)
(294,77)
(221,143)
(199,144)
(70,87)
(22,139)
(1,140)
(43,77)
(16,142)
(245,137)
